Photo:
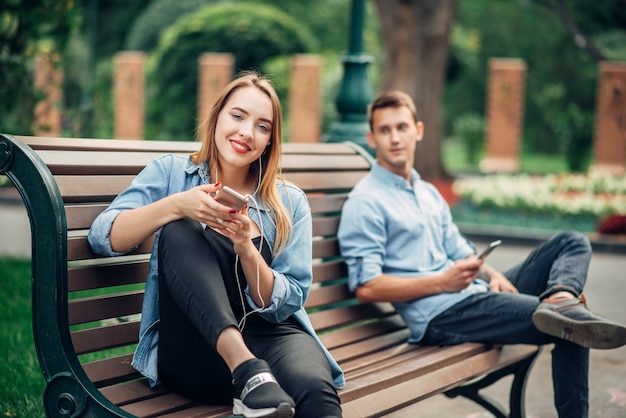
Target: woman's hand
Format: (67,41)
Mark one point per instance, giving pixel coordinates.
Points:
(199,205)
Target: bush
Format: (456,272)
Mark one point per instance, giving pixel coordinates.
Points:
(144,34)
(469,129)
(252,32)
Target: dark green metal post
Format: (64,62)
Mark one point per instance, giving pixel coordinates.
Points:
(355,92)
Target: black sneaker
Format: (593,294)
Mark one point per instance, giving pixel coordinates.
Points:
(571,320)
(258,394)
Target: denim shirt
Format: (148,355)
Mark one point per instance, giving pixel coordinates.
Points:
(292,268)
(390,227)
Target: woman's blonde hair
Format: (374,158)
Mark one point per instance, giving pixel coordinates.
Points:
(270,159)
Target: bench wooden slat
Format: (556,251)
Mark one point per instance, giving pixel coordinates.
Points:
(105,337)
(111,371)
(325,226)
(78,248)
(201,411)
(71,162)
(78,189)
(325,181)
(330,270)
(345,336)
(385,397)
(98,308)
(325,248)
(343,316)
(47,143)
(327,295)
(101,276)
(133,391)
(90,144)
(82,216)
(326,203)
(156,407)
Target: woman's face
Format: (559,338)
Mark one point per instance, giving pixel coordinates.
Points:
(244,127)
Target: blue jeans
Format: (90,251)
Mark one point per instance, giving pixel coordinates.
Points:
(561,263)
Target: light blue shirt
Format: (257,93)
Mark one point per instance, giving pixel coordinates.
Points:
(390,227)
(292,267)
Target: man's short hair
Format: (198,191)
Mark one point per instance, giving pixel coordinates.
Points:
(393,98)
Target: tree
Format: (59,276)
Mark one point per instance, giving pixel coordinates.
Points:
(415,43)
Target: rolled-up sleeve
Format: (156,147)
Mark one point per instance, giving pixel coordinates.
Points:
(148,186)
(362,237)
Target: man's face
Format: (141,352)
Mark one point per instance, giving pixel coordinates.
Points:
(394,136)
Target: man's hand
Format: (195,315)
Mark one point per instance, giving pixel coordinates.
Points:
(499,283)
(460,274)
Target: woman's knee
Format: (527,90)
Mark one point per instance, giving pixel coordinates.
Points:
(178,229)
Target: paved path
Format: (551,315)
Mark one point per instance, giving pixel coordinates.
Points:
(14,230)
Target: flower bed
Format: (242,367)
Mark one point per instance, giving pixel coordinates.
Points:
(579,201)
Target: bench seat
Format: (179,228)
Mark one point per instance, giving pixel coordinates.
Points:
(86,308)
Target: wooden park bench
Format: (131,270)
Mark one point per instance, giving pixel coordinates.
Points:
(86,308)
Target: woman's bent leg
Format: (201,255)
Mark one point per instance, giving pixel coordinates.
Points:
(194,309)
(299,366)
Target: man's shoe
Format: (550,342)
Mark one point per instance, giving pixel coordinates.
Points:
(571,320)
(258,394)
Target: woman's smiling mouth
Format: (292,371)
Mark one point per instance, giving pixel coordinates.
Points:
(239,146)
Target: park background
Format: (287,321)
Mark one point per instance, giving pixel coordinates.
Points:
(562,43)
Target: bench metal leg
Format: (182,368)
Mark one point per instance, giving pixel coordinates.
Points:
(519,370)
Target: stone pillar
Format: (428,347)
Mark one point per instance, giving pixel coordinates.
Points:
(609,152)
(129,95)
(215,72)
(48,80)
(505,111)
(305,99)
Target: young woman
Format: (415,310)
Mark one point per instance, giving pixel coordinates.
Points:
(223,312)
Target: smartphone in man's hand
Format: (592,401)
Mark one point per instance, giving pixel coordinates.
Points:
(492,246)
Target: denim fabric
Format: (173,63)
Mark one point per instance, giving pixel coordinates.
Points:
(292,268)
(561,263)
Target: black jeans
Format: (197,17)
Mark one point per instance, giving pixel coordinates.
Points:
(199,298)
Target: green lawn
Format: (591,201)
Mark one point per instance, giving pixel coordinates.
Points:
(21,381)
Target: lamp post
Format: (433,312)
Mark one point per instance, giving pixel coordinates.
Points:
(355,91)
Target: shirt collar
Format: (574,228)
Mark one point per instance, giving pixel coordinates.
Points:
(201,168)
(393,179)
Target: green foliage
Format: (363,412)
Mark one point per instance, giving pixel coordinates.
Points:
(576,128)
(253,33)
(145,31)
(469,129)
(560,76)
(26,28)
(114,19)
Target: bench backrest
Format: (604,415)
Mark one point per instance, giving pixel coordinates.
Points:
(98,300)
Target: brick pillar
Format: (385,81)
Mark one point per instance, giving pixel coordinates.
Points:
(215,72)
(609,152)
(129,95)
(48,80)
(305,99)
(505,111)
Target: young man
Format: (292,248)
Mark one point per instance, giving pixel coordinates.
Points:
(402,246)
